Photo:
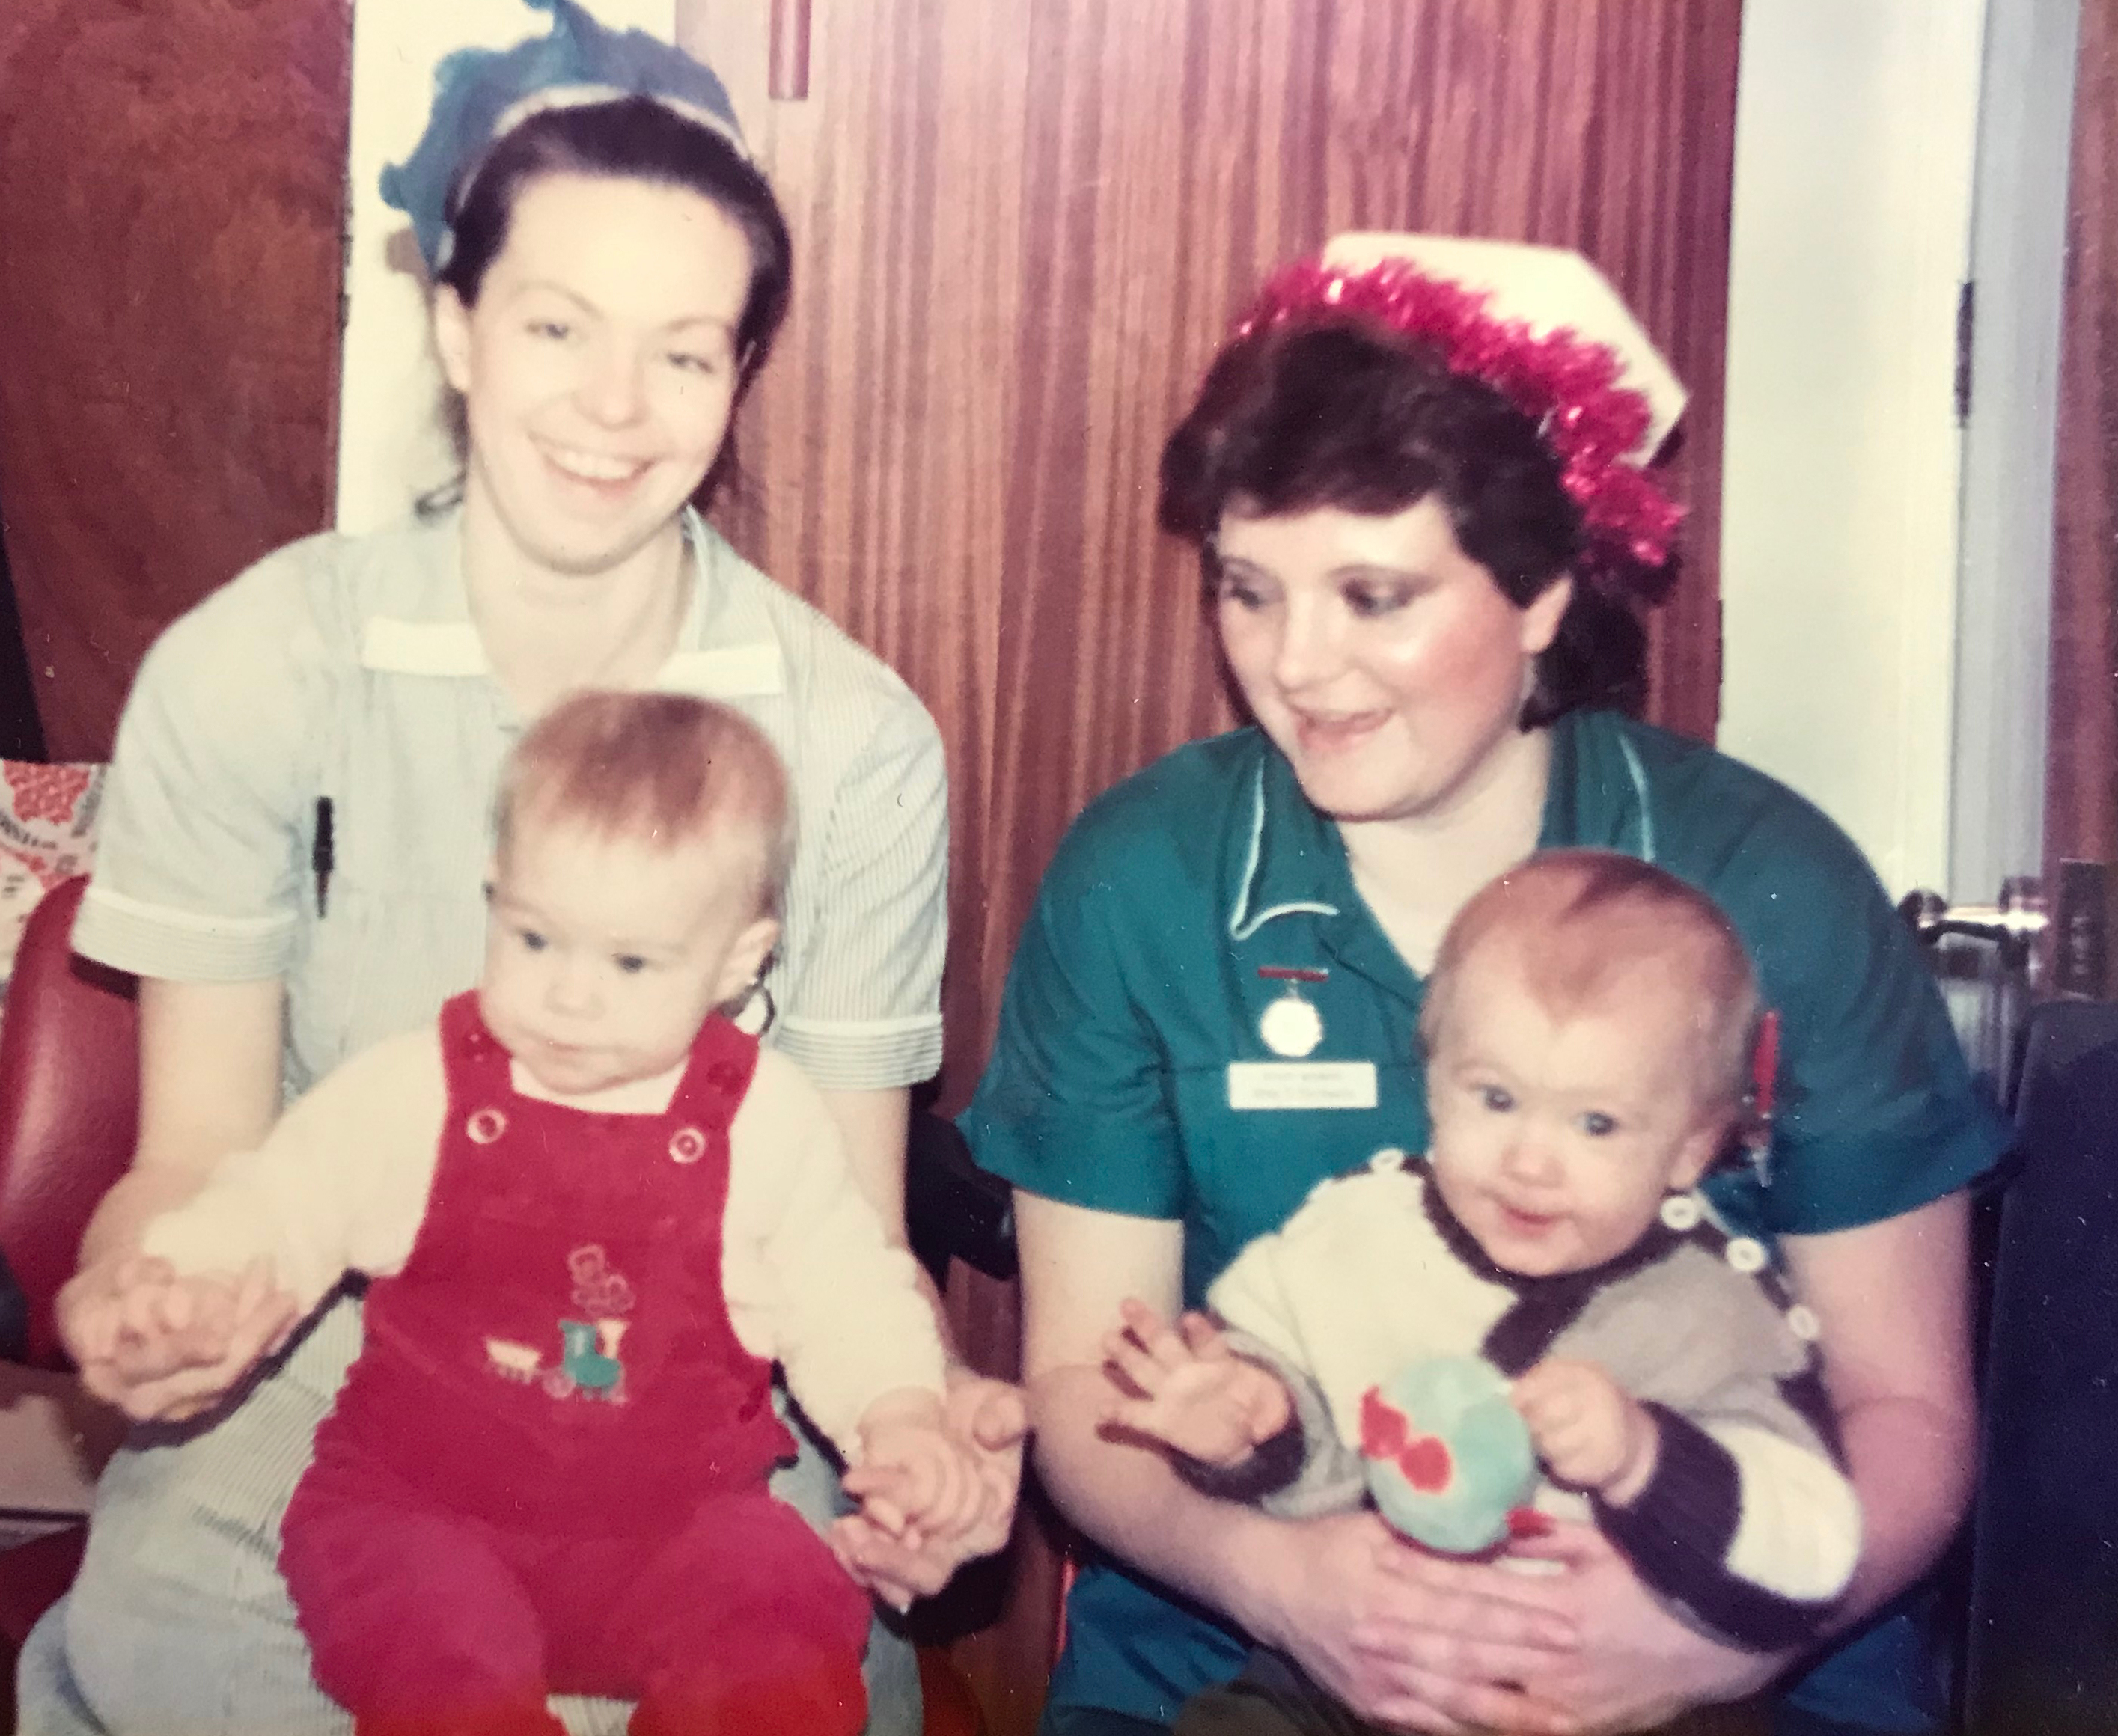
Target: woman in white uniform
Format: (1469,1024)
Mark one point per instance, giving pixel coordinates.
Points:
(296,828)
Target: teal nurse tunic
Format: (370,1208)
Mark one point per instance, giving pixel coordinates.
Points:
(1188,900)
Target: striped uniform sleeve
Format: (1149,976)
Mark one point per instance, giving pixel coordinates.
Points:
(204,827)
(861,1003)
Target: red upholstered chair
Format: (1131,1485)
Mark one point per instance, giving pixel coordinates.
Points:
(69,1116)
(69,1109)
(69,1105)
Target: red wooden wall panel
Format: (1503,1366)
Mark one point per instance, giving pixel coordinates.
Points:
(171,198)
(2081,798)
(1022,229)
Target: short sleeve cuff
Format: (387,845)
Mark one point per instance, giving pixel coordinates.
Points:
(1847,1184)
(1086,1162)
(863,1055)
(155,940)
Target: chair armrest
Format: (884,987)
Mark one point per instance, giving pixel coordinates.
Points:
(2043,1563)
(14,1316)
(54,1440)
(953,1209)
(69,1105)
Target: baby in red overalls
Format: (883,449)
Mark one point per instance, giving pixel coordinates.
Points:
(596,1213)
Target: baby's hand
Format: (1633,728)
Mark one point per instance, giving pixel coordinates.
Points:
(915,1481)
(162,1345)
(1196,1395)
(1589,1430)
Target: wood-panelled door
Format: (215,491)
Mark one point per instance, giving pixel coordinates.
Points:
(1022,227)
(172,182)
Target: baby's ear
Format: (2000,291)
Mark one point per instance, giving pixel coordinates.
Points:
(747,957)
(1701,1149)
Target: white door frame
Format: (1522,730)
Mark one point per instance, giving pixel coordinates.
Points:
(2018,263)
(1885,570)
(1855,133)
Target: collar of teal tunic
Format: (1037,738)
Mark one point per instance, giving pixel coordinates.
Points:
(1286,898)
(1163,933)
(1295,875)
(1296,862)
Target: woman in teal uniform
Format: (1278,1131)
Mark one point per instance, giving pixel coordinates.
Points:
(1425,536)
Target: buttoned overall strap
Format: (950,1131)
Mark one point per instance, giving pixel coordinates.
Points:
(723,1062)
(473,1058)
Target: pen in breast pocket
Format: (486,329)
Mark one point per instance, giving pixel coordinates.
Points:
(320,852)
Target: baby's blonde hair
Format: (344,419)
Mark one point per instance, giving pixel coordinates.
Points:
(1587,921)
(663,770)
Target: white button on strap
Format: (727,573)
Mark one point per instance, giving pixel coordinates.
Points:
(1745,1255)
(1681,1212)
(1804,1324)
(687,1145)
(485,1125)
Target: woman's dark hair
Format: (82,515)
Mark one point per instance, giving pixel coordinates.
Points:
(1341,413)
(631,138)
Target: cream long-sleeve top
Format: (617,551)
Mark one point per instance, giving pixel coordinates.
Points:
(811,1280)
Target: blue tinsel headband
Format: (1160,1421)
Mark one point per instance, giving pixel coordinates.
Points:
(482,94)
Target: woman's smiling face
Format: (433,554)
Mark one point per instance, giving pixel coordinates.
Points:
(598,366)
(1380,658)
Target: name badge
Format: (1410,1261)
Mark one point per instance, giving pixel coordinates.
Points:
(1302,1084)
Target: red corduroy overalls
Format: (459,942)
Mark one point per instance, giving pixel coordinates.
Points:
(546,1471)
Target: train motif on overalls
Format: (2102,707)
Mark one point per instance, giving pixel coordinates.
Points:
(588,1366)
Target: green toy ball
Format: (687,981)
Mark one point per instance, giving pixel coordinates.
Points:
(1449,1457)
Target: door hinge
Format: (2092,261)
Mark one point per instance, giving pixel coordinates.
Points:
(345,254)
(1967,315)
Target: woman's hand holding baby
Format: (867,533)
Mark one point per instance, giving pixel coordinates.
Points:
(1588,1429)
(1196,1395)
(162,1345)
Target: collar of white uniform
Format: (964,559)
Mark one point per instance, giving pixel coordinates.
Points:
(727,648)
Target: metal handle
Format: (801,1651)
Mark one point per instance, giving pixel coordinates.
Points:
(2015,924)
(788,81)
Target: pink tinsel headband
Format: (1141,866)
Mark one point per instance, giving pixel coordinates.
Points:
(1566,384)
